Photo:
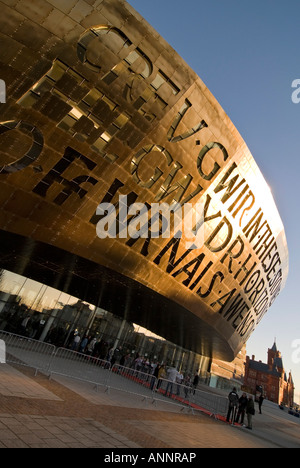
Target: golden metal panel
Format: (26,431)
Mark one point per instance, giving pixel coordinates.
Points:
(99,105)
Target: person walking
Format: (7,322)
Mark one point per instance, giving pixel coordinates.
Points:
(250,410)
(260,402)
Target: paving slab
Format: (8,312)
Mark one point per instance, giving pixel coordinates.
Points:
(67,413)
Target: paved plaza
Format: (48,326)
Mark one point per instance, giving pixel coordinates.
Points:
(36,412)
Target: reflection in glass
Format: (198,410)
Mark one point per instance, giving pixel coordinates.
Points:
(40,312)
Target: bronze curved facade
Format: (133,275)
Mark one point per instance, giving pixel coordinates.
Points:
(98,105)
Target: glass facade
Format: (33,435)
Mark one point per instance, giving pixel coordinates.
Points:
(41,312)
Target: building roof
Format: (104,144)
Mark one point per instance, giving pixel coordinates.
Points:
(274,347)
(264,368)
(278,363)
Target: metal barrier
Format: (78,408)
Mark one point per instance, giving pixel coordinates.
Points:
(214,405)
(146,385)
(80,366)
(175,392)
(27,352)
(192,398)
(132,381)
(47,358)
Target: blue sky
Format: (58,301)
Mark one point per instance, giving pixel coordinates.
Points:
(247,54)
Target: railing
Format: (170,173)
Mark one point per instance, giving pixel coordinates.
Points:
(50,360)
(27,352)
(80,366)
(193,398)
(132,381)
(215,405)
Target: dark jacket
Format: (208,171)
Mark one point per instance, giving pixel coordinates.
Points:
(233,399)
(250,407)
(243,403)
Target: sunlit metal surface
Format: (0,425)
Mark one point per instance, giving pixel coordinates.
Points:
(98,106)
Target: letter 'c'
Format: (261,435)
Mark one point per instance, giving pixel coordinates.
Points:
(33,152)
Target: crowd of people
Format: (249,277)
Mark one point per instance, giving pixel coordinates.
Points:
(238,407)
(176,382)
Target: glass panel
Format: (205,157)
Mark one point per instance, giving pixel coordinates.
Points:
(44,313)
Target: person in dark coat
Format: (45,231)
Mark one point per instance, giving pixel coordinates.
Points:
(195,382)
(233,404)
(250,412)
(242,408)
(260,402)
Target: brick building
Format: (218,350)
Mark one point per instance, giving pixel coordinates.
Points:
(277,387)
